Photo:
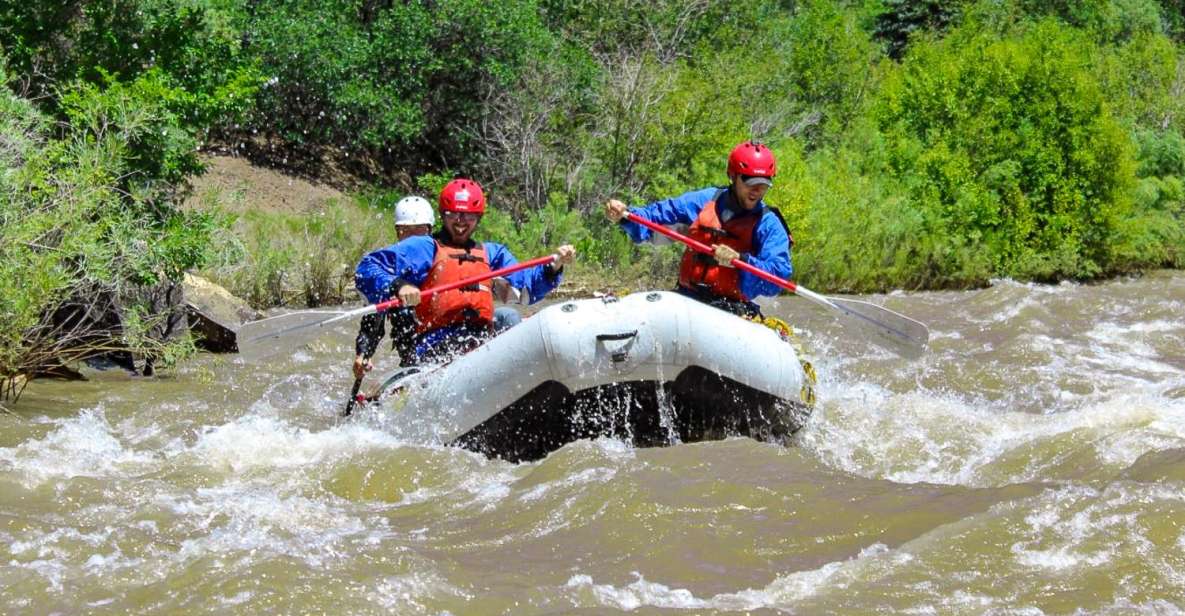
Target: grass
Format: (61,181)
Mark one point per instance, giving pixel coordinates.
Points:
(305,256)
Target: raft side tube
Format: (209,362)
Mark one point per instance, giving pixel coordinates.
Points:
(594,343)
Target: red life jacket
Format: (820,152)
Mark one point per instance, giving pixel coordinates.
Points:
(473,304)
(700,272)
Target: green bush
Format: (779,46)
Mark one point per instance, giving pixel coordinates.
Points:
(898,20)
(190,47)
(670,28)
(1008,144)
(90,236)
(1107,20)
(1142,79)
(826,61)
(402,82)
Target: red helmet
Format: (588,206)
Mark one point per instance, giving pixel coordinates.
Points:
(462,195)
(753,159)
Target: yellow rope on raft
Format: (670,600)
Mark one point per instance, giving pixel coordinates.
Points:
(786,333)
(778,325)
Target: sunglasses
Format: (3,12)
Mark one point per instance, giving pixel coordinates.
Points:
(466,216)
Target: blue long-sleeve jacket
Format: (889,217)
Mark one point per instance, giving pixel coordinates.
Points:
(771,245)
(410,260)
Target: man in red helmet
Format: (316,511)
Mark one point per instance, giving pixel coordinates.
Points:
(735,221)
(454,321)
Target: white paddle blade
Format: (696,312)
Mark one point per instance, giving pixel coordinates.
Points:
(891,330)
(259,339)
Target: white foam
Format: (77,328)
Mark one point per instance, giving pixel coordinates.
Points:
(637,594)
(105,563)
(237,518)
(52,571)
(237,599)
(259,442)
(586,476)
(1073,529)
(401,592)
(922,436)
(82,446)
(783,591)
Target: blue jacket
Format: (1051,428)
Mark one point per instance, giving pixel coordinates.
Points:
(771,245)
(409,261)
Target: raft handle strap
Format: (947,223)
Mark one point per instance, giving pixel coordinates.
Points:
(621,336)
(618,356)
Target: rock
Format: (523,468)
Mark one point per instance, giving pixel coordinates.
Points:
(214,314)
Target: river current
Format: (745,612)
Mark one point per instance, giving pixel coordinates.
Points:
(1033,462)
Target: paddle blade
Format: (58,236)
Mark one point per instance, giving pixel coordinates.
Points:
(284,332)
(891,330)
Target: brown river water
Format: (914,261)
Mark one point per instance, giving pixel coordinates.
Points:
(1032,463)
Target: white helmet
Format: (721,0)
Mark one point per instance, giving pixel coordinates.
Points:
(414,211)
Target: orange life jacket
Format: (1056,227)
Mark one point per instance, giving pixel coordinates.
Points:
(700,272)
(473,304)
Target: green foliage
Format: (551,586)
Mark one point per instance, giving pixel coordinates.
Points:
(1108,20)
(898,20)
(400,81)
(1161,153)
(1154,236)
(89,225)
(1144,79)
(540,232)
(1173,13)
(189,47)
(432,183)
(675,27)
(827,62)
(1009,144)
(134,120)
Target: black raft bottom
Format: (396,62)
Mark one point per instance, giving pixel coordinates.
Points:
(697,406)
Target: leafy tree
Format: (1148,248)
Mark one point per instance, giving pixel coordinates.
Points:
(1009,143)
(1108,20)
(1144,79)
(827,61)
(91,239)
(405,83)
(189,47)
(1173,13)
(899,20)
(668,29)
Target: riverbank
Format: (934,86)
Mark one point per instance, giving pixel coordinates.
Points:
(295,241)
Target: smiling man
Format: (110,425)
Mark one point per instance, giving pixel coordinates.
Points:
(735,221)
(454,321)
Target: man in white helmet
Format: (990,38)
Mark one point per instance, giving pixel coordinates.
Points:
(413,216)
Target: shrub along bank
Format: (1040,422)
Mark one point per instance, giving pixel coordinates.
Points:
(90,242)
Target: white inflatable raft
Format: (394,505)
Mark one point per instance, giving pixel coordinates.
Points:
(653,368)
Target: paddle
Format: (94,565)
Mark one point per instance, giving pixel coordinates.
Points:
(261,338)
(353,397)
(895,331)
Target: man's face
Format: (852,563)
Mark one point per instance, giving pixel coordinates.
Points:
(460,225)
(406,231)
(747,195)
